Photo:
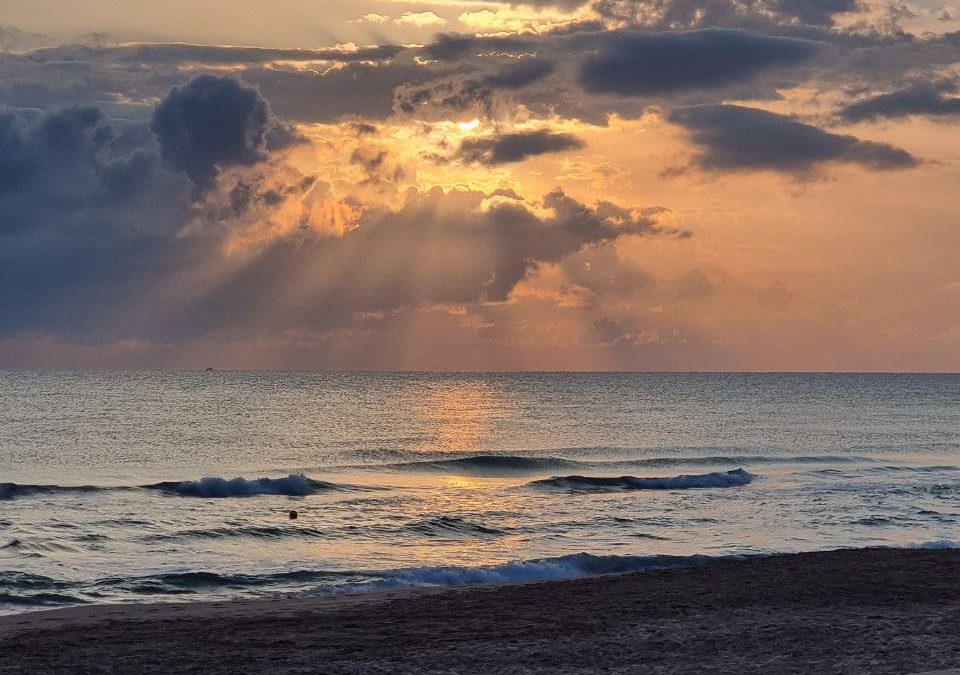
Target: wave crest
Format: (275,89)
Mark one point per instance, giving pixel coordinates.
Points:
(490,465)
(507,465)
(717,479)
(294,485)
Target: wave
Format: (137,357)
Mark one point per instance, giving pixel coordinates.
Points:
(575,566)
(447,526)
(312,582)
(27,581)
(200,582)
(489,465)
(27,590)
(253,531)
(39,600)
(506,465)
(14,490)
(294,485)
(719,479)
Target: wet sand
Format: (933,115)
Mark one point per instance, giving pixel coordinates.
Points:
(869,611)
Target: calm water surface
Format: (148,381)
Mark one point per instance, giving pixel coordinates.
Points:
(118,487)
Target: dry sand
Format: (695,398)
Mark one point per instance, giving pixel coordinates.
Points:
(872,611)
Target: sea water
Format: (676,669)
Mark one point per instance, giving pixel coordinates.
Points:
(132,487)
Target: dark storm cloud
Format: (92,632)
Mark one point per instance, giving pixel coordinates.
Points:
(516,147)
(94,211)
(60,159)
(752,14)
(734,137)
(492,75)
(520,74)
(127,80)
(455,46)
(638,63)
(210,123)
(922,98)
(83,203)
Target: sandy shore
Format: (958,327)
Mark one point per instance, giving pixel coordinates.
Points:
(872,611)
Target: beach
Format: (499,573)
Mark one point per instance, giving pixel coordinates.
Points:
(847,611)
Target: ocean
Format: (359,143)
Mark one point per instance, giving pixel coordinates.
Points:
(160,486)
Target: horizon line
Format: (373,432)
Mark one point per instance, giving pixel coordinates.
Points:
(348,371)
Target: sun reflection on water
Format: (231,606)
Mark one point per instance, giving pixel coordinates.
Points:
(459,415)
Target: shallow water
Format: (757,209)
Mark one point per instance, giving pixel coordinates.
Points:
(120,487)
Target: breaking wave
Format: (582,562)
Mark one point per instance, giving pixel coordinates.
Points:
(719,479)
(26,590)
(574,566)
(32,590)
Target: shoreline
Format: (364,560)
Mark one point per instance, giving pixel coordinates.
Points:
(846,611)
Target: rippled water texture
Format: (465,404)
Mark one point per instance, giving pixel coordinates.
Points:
(161,486)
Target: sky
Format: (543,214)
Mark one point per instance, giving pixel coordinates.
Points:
(762,185)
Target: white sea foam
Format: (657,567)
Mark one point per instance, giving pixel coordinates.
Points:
(575,566)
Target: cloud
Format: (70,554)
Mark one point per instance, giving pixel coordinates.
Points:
(520,74)
(516,147)
(470,252)
(454,46)
(103,236)
(568,5)
(738,138)
(183,53)
(83,200)
(636,63)
(354,90)
(480,91)
(440,247)
(374,18)
(74,157)
(604,272)
(420,19)
(752,14)
(692,286)
(501,75)
(210,123)
(12,39)
(817,12)
(921,98)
